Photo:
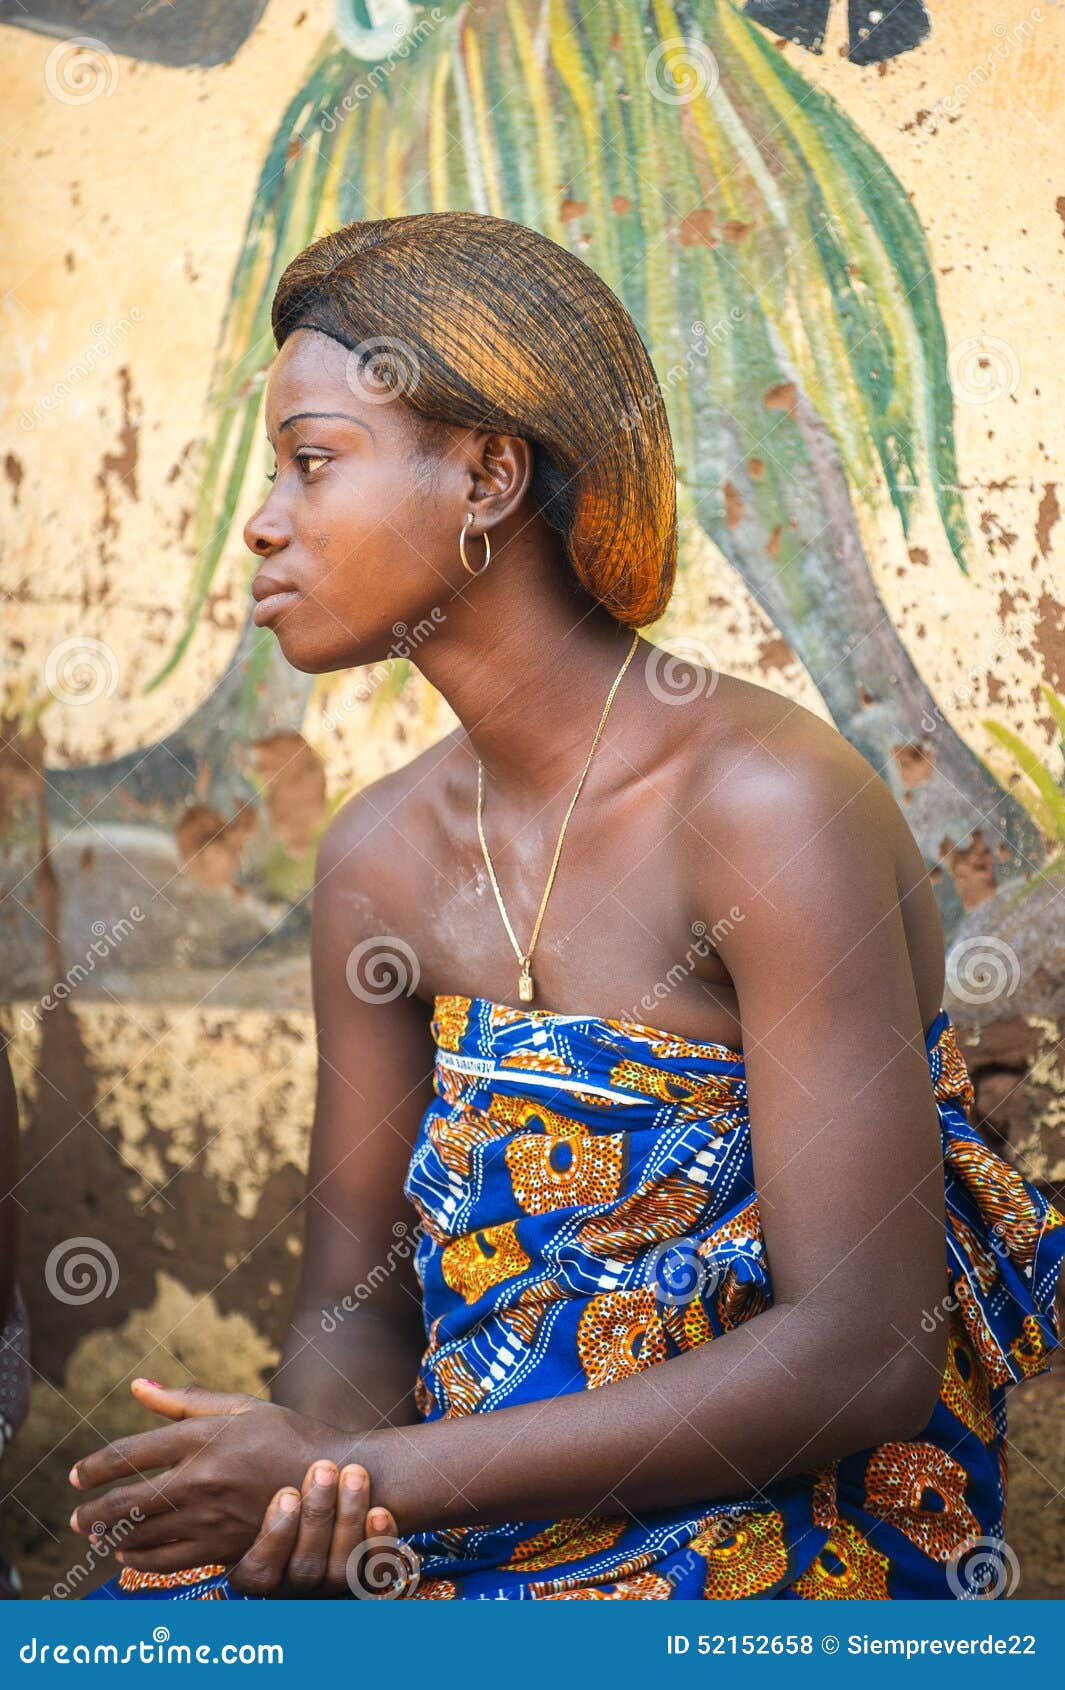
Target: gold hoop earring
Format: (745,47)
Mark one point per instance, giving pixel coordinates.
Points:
(462,548)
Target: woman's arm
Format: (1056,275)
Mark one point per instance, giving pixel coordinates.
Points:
(848,1169)
(352,1354)
(356,1338)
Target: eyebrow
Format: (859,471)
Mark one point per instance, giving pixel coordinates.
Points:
(300,416)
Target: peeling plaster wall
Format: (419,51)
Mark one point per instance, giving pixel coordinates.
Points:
(178,1129)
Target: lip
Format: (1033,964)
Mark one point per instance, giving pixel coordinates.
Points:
(271,598)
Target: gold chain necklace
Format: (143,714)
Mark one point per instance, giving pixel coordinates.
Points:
(526,988)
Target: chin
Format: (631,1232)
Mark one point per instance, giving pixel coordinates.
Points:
(315,657)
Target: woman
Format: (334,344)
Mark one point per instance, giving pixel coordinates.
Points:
(722,1305)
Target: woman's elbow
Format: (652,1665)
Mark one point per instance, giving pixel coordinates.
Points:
(879,1376)
(899,1380)
(917,1395)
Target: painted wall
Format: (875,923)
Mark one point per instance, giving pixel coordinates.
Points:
(864,418)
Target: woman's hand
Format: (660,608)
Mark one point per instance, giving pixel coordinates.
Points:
(326,1543)
(226,1456)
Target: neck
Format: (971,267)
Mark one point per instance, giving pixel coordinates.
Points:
(526,663)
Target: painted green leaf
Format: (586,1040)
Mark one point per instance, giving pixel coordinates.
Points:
(751,207)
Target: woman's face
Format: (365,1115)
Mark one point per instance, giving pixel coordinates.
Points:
(359,532)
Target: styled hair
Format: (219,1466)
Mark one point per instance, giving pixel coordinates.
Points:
(484,323)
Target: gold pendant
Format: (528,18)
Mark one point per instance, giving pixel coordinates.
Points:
(526,989)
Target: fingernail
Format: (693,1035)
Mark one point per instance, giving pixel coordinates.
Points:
(119,1555)
(73,1477)
(154,1382)
(289,1502)
(323,1474)
(74,1521)
(378,1519)
(354,1478)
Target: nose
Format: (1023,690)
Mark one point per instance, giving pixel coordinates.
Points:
(264,532)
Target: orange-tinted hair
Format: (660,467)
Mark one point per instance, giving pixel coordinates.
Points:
(487,324)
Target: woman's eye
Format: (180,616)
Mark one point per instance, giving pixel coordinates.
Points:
(309,461)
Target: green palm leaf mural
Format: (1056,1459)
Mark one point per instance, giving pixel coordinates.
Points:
(774,265)
(812,236)
(1044,797)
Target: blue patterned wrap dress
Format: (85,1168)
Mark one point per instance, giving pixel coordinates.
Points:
(586,1194)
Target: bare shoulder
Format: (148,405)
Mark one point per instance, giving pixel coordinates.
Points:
(766,779)
(794,830)
(376,850)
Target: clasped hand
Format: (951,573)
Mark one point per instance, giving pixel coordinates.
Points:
(244,1485)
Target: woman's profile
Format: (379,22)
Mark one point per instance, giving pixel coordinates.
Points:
(650,1249)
